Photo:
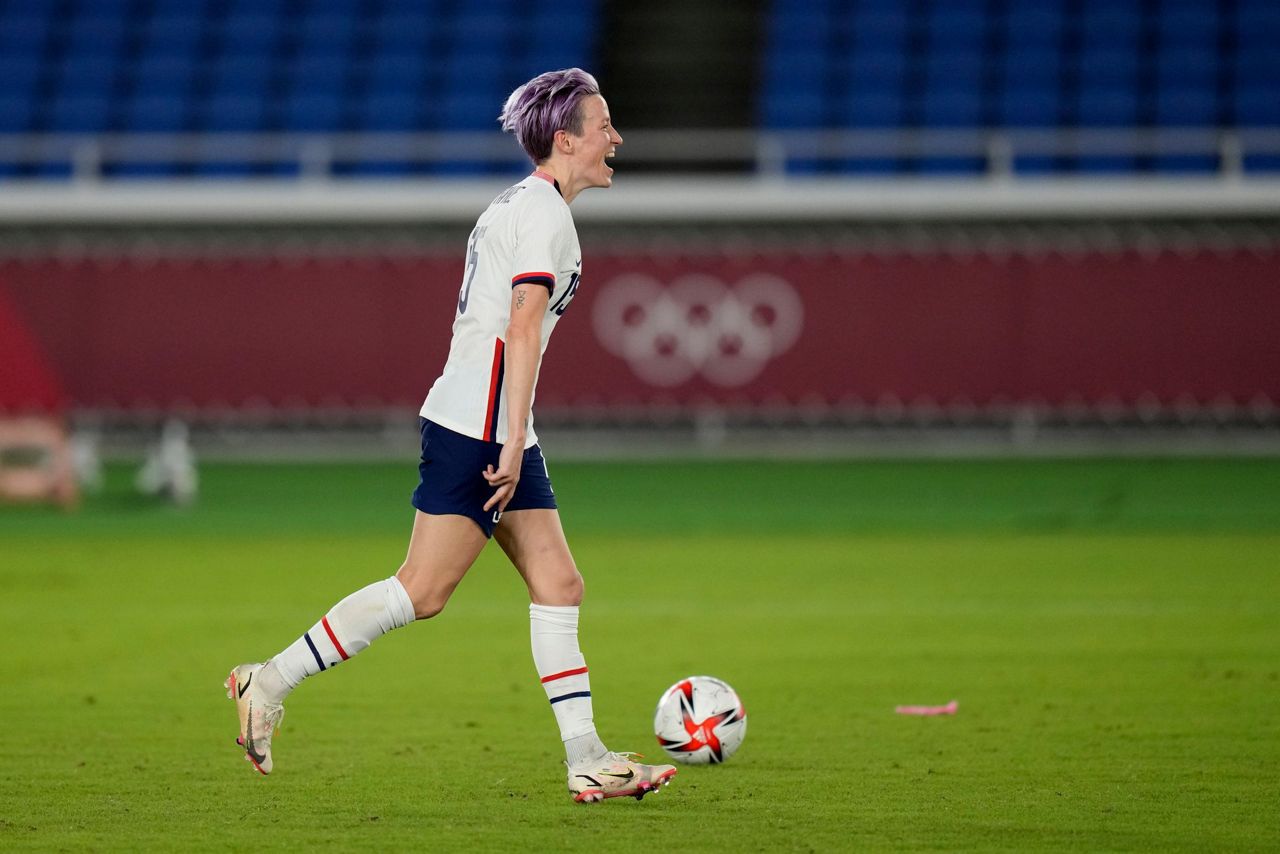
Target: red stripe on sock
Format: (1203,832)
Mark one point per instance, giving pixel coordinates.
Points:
(324,621)
(554,676)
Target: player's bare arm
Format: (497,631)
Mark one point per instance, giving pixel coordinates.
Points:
(521,354)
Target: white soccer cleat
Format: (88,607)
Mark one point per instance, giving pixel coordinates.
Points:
(258,720)
(616,775)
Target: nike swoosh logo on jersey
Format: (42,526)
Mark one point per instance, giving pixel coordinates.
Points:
(245,687)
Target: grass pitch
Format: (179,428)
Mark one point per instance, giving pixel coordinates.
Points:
(1110,629)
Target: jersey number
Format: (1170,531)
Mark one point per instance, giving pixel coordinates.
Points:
(567,296)
(473,261)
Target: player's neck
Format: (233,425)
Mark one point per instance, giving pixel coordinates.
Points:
(556,175)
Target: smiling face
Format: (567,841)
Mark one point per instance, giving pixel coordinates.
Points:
(597,143)
(587,153)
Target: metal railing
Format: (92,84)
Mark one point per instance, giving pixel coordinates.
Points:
(319,158)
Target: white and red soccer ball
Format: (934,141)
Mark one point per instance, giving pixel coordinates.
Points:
(700,720)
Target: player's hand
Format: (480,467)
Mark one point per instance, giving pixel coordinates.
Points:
(505,477)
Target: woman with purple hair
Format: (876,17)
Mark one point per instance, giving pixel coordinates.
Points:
(482,473)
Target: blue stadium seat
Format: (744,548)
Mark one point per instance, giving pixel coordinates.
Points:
(953,68)
(799,27)
(1268,164)
(98,33)
(1021,66)
(548,55)
(873,108)
(24,34)
(87,74)
(251,31)
(1032,25)
(19,73)
(948,166)
(1193,25)
(957,106)
(1187,106)
(470,28)
(313,112)
(1187,66)
(317,73)
(17,112)
(1108,67)
(1256,66)
(238,113)
(576,31)
(160,113)
(241,73)
(326,34)
(492,7)
(390,111)
(1110,26)
(478,69)
(163,74)
(468,110)
(956,27)
(880,67)
(798,109)
(79,113)
(404,31)
(429,7)
(1102,164)
(172,33)
(878,29)
(798,71)
(1108,107)
(194,8)
(1029,105)
(396,72)
(1257,106)
(1257,24)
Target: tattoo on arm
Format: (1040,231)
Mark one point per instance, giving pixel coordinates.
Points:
(520,294)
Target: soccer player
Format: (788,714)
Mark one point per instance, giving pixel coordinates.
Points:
(482,473)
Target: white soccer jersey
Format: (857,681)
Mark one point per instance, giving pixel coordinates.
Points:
(526,235)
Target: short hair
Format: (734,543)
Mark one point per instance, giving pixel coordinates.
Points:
(549,102)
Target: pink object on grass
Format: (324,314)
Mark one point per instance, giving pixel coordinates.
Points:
(948,709)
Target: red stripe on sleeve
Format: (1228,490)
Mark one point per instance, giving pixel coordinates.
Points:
(554,676)
(514,279)
(324,621)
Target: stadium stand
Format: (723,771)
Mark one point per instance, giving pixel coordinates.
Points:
(217,67)
(323,66)
(1028,64)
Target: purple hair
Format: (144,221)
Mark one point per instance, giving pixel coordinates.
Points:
(546,104)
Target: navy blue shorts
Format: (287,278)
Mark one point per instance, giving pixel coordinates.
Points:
(452,480)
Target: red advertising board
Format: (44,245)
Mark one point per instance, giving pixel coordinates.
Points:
(769,329)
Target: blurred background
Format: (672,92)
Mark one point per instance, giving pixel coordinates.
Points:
(838,227)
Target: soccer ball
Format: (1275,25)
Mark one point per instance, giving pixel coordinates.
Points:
(700,720)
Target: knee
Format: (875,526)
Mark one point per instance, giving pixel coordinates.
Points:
(424,609)
(428,599)
(565,589)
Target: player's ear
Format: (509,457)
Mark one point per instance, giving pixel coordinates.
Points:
(563,142)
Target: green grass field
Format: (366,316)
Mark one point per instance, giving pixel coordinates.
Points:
(1111,630)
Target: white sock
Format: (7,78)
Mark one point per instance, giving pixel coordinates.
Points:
(348,628)
(553,633)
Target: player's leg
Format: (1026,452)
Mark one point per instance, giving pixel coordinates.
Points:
(441,550)
(534,540)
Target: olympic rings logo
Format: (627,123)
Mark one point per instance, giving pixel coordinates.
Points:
(698,326)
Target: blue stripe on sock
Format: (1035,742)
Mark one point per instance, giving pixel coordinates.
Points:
(319,661)
(555,700)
